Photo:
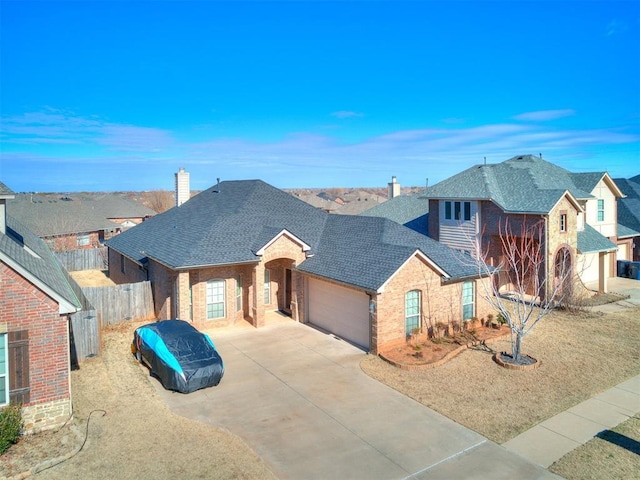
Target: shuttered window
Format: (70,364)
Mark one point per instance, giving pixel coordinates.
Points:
(14,367)
(4,370)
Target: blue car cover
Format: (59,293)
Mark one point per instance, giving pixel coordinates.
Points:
(181,357)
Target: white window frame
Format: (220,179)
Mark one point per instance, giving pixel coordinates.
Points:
(83,239)
(238,293)
(215,298)
(415,312)
(563,223)
(468,300)
(267,286)
(4,375)
(600,212)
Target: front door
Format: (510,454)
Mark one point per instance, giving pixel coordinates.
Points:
(287,290)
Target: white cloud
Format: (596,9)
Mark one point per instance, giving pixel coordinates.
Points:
(545,115)
(346,114)
(300,159)
(614,27)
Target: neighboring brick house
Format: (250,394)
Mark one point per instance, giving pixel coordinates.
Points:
(242,248)
(629,218)
(77,221)
(36,299)
(579,211)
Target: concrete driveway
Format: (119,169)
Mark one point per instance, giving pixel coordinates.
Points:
(298,397)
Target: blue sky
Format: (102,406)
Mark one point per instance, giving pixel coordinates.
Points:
(115,95)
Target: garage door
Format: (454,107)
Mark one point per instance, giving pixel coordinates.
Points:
(589,268)
(623,251)
(339,310)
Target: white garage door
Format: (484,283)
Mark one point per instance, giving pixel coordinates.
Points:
(588,267)
(339,310)
(623,251)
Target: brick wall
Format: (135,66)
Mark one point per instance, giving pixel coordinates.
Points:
(439,303)
(25,307)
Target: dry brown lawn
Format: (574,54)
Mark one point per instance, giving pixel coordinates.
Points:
(138,437)
(92,278)
(581,354)
(615,455)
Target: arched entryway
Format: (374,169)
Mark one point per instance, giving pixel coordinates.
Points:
(563,272)
(278,285)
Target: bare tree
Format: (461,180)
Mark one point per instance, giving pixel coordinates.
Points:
(534,286)
(158,200)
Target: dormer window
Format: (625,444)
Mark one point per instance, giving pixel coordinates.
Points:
(601,210)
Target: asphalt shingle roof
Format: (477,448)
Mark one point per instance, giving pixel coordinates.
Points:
(18,244)
(221,225)
(47,216)
(591,241)
(366,251)
(629,206)
(522,184)
(229,222)
(412,211)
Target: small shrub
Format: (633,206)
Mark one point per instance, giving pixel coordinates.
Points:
(10,426)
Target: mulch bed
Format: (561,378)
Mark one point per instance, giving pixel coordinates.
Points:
(431,352)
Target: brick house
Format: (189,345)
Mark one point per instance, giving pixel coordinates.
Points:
(629,218)
(578,211)
(36,299)
(242,248)
(76,221)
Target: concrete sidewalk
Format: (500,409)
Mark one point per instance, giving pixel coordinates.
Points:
(550,440)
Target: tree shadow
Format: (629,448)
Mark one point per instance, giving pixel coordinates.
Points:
(620,440)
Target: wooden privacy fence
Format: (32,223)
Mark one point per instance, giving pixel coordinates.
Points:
(104,306)
(88,259)
(121,303)
(85,335)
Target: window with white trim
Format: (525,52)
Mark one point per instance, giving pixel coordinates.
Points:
(563,222)
(468,301)
(215,299)
(267,286)
(601,210)
(238,293)
(83,239)
(4,369)
(411,311)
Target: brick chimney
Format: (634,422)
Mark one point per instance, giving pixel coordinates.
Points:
(394,188)
(183,188)
(5,194)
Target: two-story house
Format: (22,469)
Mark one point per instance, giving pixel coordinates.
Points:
(578,212)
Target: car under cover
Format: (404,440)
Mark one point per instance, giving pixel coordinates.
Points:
(181,357)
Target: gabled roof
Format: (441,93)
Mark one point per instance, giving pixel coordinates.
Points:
(231,222)
(626,232)
(412,211)
(366,251)
(629,206)
(47,215)
(29,255)
(227,223)
(592,241)
(522,184)
(6,191)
